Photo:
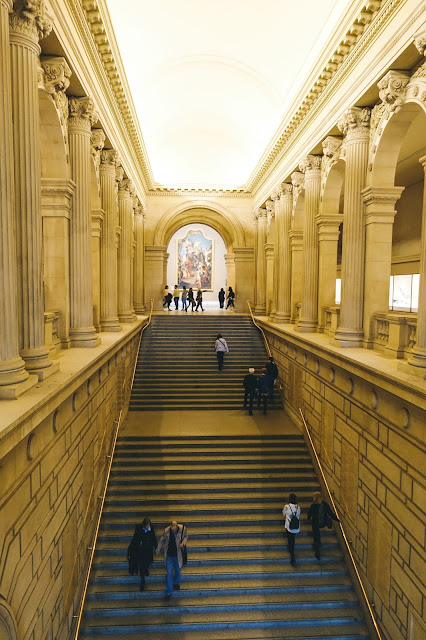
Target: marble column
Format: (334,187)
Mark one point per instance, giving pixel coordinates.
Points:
(244,277)
(283,209)
(27,25)
(269,259)
(308,321)
(139,275)
(14,379)
(125,290)
(379,218)
(262,221)
(328,237)
(81,118)
(109,300)
(355,125)
(417,361)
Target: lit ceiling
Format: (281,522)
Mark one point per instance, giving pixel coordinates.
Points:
(211,80)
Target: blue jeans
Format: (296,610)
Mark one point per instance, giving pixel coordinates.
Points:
(172,566)
(183,303)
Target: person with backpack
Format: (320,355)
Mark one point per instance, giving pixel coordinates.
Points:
(291,512)
(320,516)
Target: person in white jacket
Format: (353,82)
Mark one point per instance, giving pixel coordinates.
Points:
(291,512)
(221,348)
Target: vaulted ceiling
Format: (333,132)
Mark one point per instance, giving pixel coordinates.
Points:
(211,81)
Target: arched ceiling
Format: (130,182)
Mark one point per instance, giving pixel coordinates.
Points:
(211,80)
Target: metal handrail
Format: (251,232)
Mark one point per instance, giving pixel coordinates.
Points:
(346,541)
(260,329)
(102,497)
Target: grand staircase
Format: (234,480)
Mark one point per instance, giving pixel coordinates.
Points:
(177,365)
(238,583)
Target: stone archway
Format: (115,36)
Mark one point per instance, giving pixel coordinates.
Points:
(239,257)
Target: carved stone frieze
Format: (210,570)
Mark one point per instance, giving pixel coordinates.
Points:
(29,19)
(82,113)
(355,122)
(57,75)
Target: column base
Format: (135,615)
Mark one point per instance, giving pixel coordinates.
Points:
(84,338)
(12,372)
(140,309)
(348,338)
(42,374)
(14,391)
(37,362)
(110,324)
(282,318)
(306,325)
(127,317)
(260,310)
(416,364)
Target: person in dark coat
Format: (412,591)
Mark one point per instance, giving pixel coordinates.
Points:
(250,386)
(141,549)
(320,515)
(221,297)
(191,300)
(272,371)
(231,298)
(264,385)
(199,300)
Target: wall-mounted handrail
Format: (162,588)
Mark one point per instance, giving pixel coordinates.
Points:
(260,329)
(110,458)
(346,541)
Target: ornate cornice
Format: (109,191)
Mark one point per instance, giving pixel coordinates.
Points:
(217,193)
(29,19)
(357,37)
(82,113)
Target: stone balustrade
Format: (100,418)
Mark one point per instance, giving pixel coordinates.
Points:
(332,320)
(51,331)
(395,333)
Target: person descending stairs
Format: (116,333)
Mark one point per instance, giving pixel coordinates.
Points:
(229,492)
(177,364)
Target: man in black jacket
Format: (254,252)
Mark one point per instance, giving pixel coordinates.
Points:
(272,371)
(141,549)
(250,386)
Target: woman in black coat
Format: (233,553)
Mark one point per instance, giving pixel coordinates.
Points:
(140,553)
(320,516)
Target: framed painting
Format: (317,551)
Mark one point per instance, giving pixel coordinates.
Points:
(194,257)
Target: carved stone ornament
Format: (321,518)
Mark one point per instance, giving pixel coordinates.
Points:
(286,190)
(56,81)
(420,42)
(82,112)
(298,182)
(276,194)
(261,213)
(97,141)
(420,72)
(270,207)
(310,163)
(119,173)
(108,157)
(29,18)
(376,115)
(125,187)
(355,122)
(392,88)
(331,147)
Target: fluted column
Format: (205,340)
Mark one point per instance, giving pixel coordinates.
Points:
(13,376)
(139,275)
(308,321)
(28,24)
(109,296)
(283,209)
(262,221)
(355,125)
(417,361)
(81,117)
(125,289)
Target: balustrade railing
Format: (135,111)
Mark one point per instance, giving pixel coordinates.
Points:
(395,333)
(332,320)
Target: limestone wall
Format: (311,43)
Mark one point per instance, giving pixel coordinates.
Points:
(368,422)
(53,465)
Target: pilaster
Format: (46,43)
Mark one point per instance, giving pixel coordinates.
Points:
(296,249)
(97,224)
(244,276)
(328,237)
(109,289)
(82,116)
(311,167)
(28,23)
(269,260)
(355,125)
(283,210)
(261,262)
(125,289)
(139,275)
(155,259)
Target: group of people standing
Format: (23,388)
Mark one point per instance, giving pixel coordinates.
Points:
(190,298)
(143,545)
(261,387)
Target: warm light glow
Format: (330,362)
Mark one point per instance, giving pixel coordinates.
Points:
(211,80)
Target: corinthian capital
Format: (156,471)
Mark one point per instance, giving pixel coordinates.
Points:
(82,112)
(286,190)
(57,74)
(29,18)
(310,163)
(262,213)
(108,157)
(355,122)
(125,188)
(420,42)
(119,173)
(298,181)
(392,88)
(97,141)
(331,147)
